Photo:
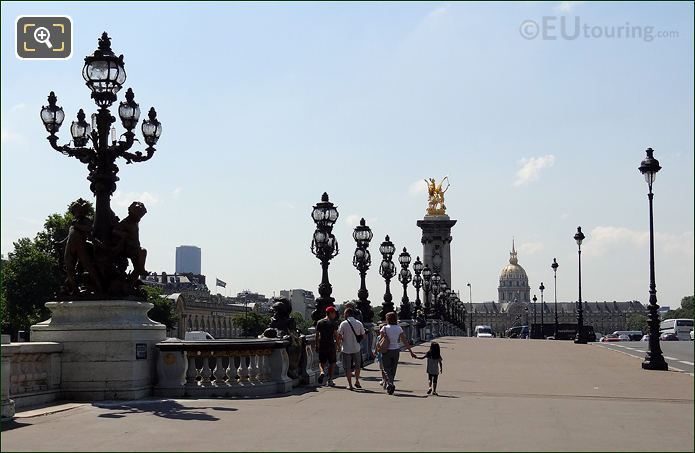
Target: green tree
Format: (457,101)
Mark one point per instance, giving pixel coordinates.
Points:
(252,324)
(302,324)
(163,310)
(29,280)
(685,310)
(637,321)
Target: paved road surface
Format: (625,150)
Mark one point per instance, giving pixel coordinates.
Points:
(678,354)
(496,394)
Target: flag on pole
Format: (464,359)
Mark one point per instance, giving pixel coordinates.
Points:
(220,283)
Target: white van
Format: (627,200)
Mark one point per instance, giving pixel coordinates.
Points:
(483,331)
(198,335)
(681,327)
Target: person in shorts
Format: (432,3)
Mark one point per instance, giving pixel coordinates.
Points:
(326,338)
(348,333)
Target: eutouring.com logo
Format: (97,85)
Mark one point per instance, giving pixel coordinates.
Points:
(551,28)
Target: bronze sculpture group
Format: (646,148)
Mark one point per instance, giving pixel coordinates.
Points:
(94,268)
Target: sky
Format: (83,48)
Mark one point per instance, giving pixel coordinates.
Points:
(265,106)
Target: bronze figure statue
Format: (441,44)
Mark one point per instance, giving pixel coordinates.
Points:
(78,250)
(283,326)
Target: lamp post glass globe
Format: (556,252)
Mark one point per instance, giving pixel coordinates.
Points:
(104,73)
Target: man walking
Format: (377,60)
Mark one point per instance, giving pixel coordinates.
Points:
(350,334)
(326,337)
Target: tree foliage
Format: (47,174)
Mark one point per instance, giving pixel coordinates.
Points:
(252,324)
(637,321)
(302,324)
(685,311)
(31,275)
(163,311)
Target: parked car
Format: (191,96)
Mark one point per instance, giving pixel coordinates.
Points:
(198,335)
(668,337)
(610,338)
(483,332)
(645,337)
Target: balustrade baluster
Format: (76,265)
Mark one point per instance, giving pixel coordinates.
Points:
(232,375)
(243,368)
(253,368)
(220,372)
(192,371)
(206,373)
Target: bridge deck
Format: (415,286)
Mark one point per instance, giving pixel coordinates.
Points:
(495,394)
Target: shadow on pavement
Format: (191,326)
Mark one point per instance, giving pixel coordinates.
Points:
(165,408)
(8,425)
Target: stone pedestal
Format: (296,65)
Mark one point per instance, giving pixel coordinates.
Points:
(109,348)
(436,240)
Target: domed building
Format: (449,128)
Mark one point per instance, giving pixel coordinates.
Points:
(513,281)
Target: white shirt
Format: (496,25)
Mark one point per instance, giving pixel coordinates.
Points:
(349,342)
(393,332)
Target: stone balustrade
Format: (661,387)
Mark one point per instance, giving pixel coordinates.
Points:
(31,374)
(231,368)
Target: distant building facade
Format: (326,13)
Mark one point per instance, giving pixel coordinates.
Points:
(188,259)
(303,301)
(212,313)
(247,297)
(177,282)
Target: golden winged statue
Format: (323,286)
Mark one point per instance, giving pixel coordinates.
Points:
(435,193)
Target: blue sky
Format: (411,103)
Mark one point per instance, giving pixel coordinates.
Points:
(265,106)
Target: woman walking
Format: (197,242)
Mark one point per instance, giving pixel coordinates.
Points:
(389,337)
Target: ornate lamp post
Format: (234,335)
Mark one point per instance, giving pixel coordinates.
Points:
(426,287)
(654,359)
(436,288)
(104,74)
(387,270)
(324,246)
(417,282)
(555,266)
(534,299)
(580,338)
(529,327)
(405,277)
(442,299)
(470,309)
(362,259)
(542,288)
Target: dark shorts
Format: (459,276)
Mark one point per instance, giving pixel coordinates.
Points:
(327,354)
(433,378)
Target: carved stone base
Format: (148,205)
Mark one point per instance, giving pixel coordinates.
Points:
(109,348)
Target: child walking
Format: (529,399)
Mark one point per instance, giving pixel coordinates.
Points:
(380,360)
(434,366)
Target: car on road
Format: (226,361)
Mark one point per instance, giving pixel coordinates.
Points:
(668,337)
(198,335)
(645,337)
(680,327)
(691,335)
(483,332)
(610,338)
(624,337)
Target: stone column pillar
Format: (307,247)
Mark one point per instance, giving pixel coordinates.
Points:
(436,240)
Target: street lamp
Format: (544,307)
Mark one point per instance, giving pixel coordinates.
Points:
(580,338)
(104,74)
(534,314)
(470,309)
(542,288)
(387,269)
(417,282)
(528,337)
(441,300)
(654,359)
(405,277)
(426,287)
(436,287)
(362,259)
(325,247)
(555,266)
